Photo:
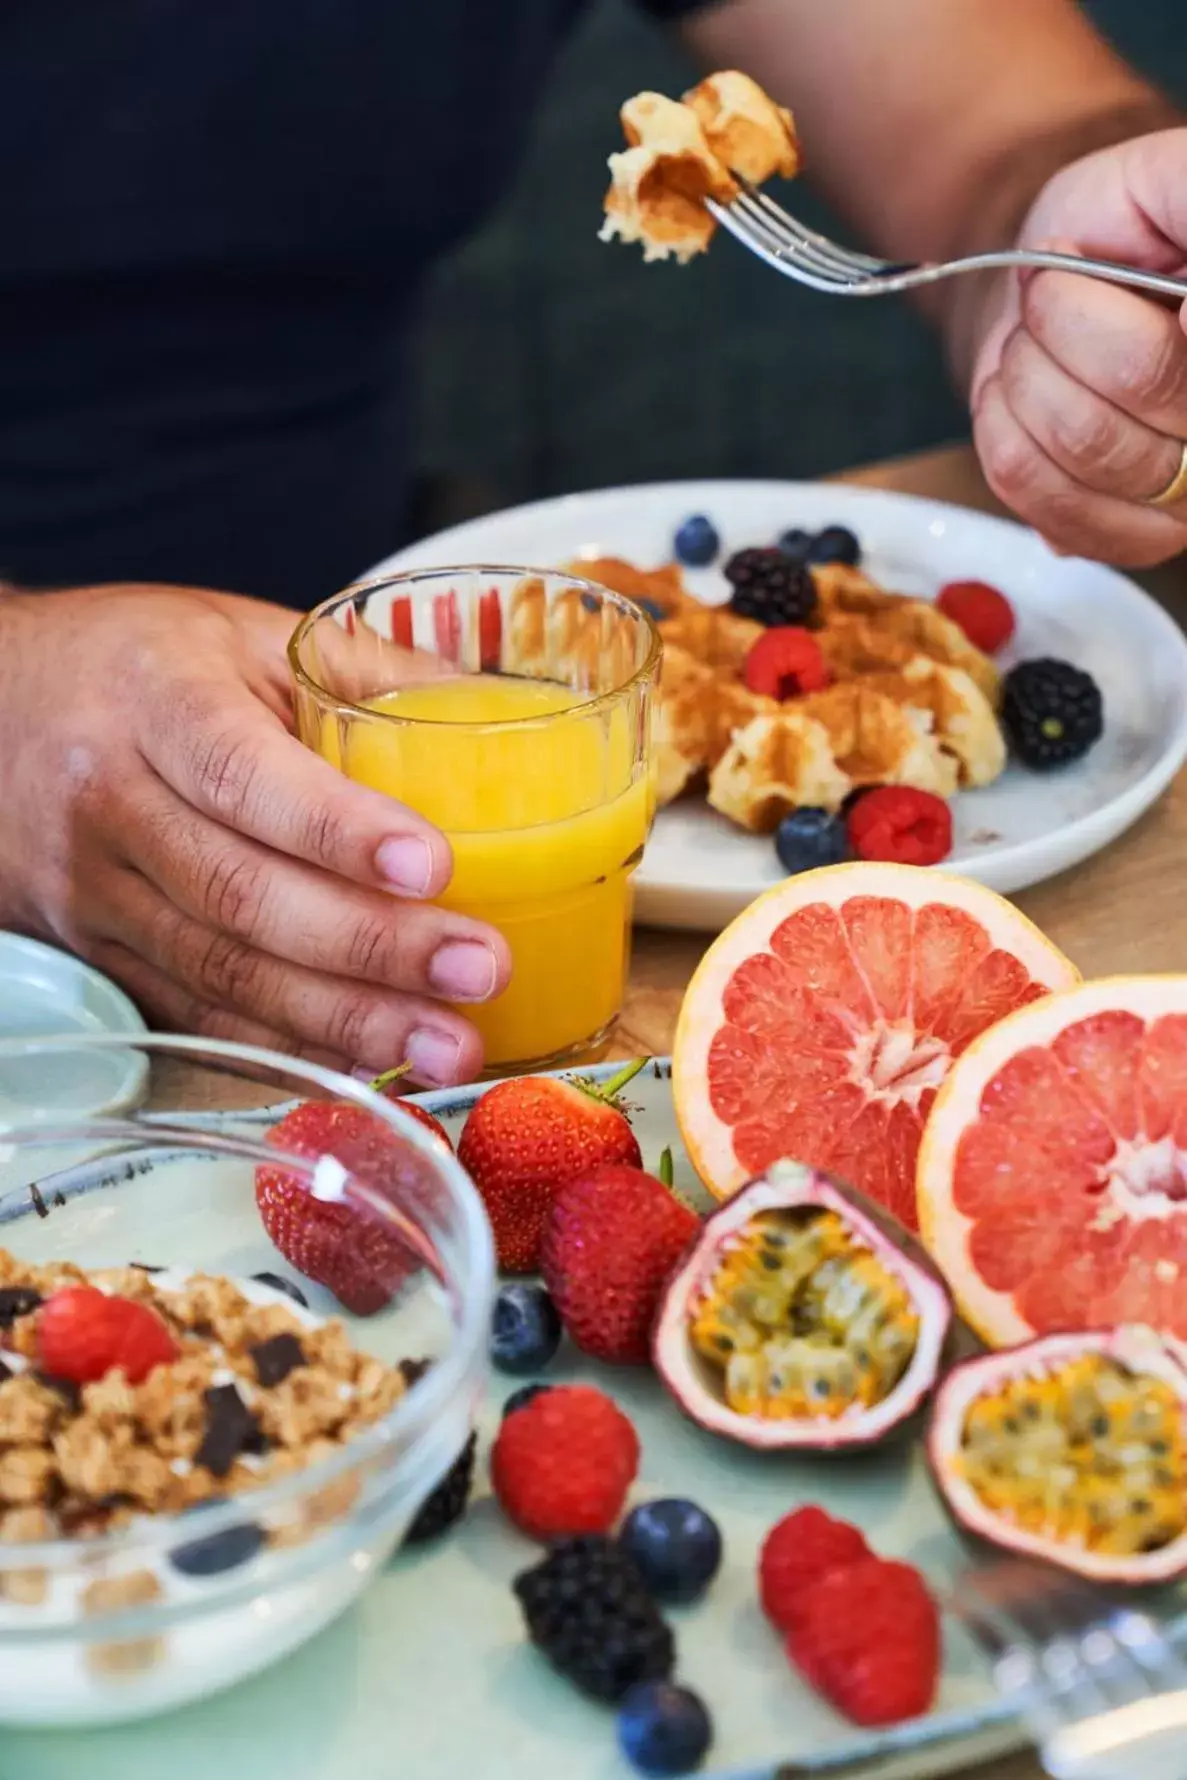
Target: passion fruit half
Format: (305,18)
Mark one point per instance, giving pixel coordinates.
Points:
(796,1322)
(1071,1449)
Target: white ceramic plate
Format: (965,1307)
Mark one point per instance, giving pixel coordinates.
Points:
(46,993)
(699,870)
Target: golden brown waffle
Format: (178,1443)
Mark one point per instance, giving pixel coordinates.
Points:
(747,131)
(876,741)
(661,590)
(660,182)
(777,763)
(696,715)
(961,716)
(714,636)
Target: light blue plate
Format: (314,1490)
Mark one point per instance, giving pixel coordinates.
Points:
(45,993)
(430,1678)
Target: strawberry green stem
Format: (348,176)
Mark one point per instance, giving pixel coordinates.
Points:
(665,1172)
(627,1074)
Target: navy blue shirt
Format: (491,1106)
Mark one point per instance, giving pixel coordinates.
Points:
(215,220)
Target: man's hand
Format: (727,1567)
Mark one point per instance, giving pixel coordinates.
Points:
(158,817)
(1079,388)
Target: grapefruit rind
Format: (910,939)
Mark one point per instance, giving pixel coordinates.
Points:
(708,1139)
(945,1230)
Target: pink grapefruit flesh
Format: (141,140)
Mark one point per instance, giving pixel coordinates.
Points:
(1053,1174)
(821,1023)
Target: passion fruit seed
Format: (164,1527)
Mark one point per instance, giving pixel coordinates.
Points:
(803,1320)
(1088,1454)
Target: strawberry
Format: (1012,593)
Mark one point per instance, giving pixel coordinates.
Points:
(785,663)
(83,1333)
(799,1549)
(339,1245)
(526,1138)
(867,1636)
(611,1239)
(384,1085)
(563,1463)
(984,615)
(898,823)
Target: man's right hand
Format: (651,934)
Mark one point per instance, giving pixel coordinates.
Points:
(158,817)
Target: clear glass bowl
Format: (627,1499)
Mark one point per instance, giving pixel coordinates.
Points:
(114,1153)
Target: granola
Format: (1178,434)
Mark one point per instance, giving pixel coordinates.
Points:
(258,1391)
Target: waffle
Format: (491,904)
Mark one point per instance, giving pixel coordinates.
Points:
(777,763)
(696,715)
(714,635)
(658,184)
(962,718)
(867,630)
(749,133)
(662,591)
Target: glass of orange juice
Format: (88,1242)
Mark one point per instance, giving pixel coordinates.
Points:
(511,708)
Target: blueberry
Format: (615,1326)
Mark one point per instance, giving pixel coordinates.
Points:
(796,544)
(836,543)
(523,1396)
(697,542)
(807,838)
(525,1329)
(676,1547)
(286,1286)
(221,1551)
(663,1729)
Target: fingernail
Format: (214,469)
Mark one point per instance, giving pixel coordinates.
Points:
(406,863)
(464,969)
(433,1055)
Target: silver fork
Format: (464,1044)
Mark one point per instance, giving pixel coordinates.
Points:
(1098,1684)
(800,253)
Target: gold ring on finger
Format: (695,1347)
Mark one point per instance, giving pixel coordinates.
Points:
(1176,488)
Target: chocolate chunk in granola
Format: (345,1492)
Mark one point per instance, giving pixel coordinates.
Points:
(143,1267)
(230,1425)
(70,1393)
(412,1371)
(275,1358)
(286,1286)
(17,1301)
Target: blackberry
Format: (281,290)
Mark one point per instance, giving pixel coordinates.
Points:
(448,1501)
(1052,712)
(587,1609)
(770,588)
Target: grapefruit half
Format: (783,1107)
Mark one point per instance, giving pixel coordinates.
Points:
(820,1024)
(1053,1173)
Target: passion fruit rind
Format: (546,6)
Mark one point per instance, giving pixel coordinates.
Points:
(1071,1449)
(796,1323)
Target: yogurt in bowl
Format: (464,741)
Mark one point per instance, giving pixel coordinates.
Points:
(176,1522)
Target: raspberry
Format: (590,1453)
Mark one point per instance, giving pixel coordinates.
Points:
(798,1550)
(786,663)
(902,825)
(984,615)
(1052,712)
(563,1464)
(770,588)
(867,1637)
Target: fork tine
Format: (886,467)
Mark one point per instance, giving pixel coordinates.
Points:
(792,245)
(844,258)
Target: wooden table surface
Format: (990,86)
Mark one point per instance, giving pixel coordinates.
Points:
(1122,911)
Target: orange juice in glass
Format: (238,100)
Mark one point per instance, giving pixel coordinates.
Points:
(511,708)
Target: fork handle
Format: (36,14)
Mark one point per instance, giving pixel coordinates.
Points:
(1160,283)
